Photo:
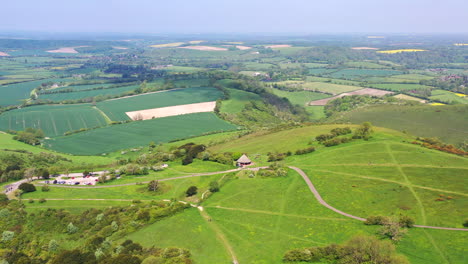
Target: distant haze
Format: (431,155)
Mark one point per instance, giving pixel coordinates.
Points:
(239,16)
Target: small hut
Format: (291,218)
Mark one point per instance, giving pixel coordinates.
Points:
(243,161)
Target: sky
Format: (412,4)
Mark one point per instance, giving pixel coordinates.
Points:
(239,16)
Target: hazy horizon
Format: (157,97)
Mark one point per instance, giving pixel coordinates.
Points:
(241,16)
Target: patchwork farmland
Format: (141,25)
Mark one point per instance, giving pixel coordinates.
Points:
(58,97)
(116,109)
(13,94)
(54,120)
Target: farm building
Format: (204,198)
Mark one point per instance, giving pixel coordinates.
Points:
(243,161)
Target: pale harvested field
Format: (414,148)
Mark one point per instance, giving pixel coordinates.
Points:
(278,46)
(120,48)
(365,91)
(71,50)
(205,48)
(243,47)
(172,111)
(168,45)
(196,41)
(364,48)
(3,54)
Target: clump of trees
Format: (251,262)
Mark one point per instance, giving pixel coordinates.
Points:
(392,227)
(359,249)
(364,131)
(276,169)
(333,138)
(305,151)
(31,136)
(191,191)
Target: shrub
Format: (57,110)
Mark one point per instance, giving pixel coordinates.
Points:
(27,187)
(3,197)
(42,200)
(406,221)
(214,186)
(305,151)
(30,201)
(71,229)
(192,190)
(7,235)
(375,220)
(153,186)
(45,188)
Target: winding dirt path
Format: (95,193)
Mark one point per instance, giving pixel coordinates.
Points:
(322,202)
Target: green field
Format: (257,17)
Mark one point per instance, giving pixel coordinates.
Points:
(12,94)
(54,120)
(325,87)
(366,65)
(237,100)
(7,142)
(139,133)
(361,73)
(449,123)
(83,87)
(57,97)
(448,97)
(399,86)
(116,109)
(301,98)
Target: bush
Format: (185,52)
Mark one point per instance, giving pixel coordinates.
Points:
(71,229)
(305,151)
(42,200)
(153,186)
(214,186)
(192,190)
(3,197)
(45,188)
(375,220)
(27,187)
(30,201)
(406,221)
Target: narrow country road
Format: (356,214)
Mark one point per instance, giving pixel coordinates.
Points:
(307,180)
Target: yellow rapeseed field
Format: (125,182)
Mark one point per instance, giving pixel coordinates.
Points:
(460,94)
(461,44)
(437,104)
(399,51)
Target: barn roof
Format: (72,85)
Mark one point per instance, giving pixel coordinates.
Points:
(244,159)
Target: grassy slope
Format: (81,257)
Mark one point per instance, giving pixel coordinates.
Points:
(447,97)
(449,123)
(139,133)
(300,97)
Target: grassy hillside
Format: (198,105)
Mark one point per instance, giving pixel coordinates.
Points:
(449,123)
(138,133)
(237,101)
(54,120)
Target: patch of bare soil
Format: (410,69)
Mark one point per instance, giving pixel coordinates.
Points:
(71,50)
(172,111)
(3,54)
(205,48)
(278,46)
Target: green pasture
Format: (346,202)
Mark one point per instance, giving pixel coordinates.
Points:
(57,97)
(399,86)
(73,206)
(448,97)
(366,65)
(7,142)
(361,73)
(326,87)
(237,100)
(138,133)
(54,120)
(13,94)
(300,97)
(449,123)
(116,109)
(386,177)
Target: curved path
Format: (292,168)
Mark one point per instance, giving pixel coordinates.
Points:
(301,172)
(322,202)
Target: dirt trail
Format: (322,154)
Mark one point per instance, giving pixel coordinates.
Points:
(220,235)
